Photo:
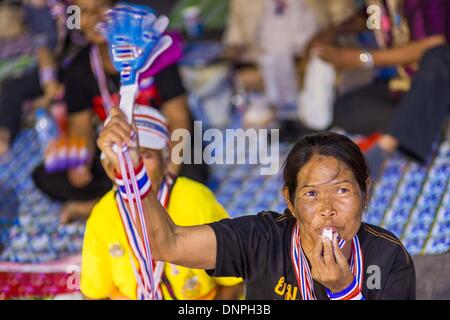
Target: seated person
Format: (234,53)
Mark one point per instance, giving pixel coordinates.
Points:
(317,249)
(107,271)
(264,53)
(53,47)
(411,108)
(266,41)
(92,87)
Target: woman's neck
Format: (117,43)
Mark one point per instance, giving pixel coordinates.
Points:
(106,60)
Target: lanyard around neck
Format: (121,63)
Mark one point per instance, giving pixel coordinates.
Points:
(100,76)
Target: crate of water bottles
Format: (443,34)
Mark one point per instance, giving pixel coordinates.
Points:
(414,244)
(265,200)
(255,184)
(32,241)
(429,200)
(439,241)
(385,188)
(408,191)
(383,192)
(396,227)
(239,207)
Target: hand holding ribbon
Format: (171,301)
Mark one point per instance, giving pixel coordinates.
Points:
(135,39)
(118,132)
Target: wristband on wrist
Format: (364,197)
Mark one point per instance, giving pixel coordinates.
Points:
(143,182)
(46,75)
(352,292)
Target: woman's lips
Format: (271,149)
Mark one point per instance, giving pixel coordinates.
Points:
(325,232)
(332,228)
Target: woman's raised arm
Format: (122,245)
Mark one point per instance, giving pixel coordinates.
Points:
(192,247)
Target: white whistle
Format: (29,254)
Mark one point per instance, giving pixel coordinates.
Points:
(327,233)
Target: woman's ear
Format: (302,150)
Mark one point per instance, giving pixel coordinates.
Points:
(288,200)
(368,190)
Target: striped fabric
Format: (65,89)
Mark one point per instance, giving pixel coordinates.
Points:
(303,273)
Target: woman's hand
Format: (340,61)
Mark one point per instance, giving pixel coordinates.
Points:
(118,132)
(331,268)
(53,90)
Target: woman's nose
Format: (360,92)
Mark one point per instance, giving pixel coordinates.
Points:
(327,208)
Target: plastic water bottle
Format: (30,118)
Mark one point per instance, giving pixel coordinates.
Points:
(192,22)
(46,127)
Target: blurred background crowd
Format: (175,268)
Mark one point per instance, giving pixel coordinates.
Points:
(376,70)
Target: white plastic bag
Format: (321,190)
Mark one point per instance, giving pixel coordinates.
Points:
(315,101)
(280,78)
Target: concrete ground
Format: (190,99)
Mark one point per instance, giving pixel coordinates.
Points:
(433,277)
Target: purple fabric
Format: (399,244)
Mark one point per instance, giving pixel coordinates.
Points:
(172,55)
(428,17)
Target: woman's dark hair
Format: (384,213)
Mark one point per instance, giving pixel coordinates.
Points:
(327,144)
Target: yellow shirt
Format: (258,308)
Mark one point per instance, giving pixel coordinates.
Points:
(106,268)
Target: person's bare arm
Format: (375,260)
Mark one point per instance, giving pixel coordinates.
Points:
(233,38)
(177,113)
(50,86)
(45,58)
(192,247)
(353,25)
(80,125)
(349,58)
(411,53)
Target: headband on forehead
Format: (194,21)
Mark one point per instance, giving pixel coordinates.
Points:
(152,128)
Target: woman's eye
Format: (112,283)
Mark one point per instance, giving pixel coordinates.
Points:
(311,194)
(343,190)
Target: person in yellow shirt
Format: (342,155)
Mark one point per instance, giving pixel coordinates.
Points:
(107,258)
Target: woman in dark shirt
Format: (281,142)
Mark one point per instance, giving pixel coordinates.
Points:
(286,256)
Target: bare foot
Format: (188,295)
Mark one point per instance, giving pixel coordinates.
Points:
(5,137)
(76,210)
